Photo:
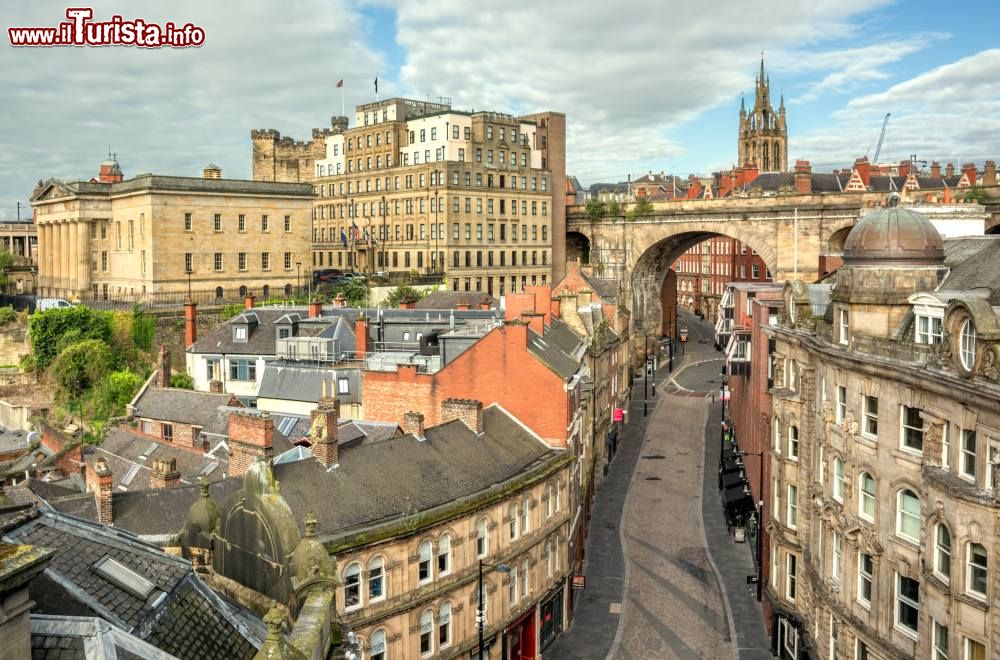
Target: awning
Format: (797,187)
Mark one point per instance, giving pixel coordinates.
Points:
(734,499)
(730,465)
(732,479)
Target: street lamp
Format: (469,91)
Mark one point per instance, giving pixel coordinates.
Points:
(760,509)
(480,613)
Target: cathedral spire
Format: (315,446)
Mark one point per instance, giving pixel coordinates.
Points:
(743,107)
(761,78)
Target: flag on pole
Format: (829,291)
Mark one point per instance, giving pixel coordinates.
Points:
(340,83)
(376,85)
(343,237)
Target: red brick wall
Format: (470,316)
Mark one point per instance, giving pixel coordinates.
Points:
(497,369)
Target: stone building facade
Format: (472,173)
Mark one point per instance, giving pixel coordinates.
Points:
(153,234)
(705,269)
(885,429)
(419,187)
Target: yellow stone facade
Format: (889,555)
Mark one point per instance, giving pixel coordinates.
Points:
(143,236)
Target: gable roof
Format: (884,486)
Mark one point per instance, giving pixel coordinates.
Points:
(182,406)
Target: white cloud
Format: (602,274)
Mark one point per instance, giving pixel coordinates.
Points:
(951,112)
(172,111)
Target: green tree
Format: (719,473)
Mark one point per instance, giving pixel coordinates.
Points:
(642,208)
(232,310)
(113,392)
(614,209)
(181,380)
(401,293)
(7,314)
(356,292)
(48,328)
(80,366)
(976,194)
(595,209)
(6,261)
(143,329)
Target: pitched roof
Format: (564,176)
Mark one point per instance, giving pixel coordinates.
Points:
(75,637)
(604,287)
(551,355)
(133,585)
(292,382)
(452,299)
(259,342)
(973,264)
(130,457)
(182,406)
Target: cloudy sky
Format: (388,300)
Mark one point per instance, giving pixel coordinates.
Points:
(646,84)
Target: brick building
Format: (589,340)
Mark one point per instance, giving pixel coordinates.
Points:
(703,272)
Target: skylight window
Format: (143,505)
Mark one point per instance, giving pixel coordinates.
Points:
(124,577)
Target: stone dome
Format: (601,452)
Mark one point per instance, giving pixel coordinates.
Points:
(893,235)
(202,518)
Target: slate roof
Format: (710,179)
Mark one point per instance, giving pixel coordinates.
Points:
(829,182)
(551,355)
(67,637)
(604,287)
(182,406)
(125,450)
(293,382)
(375,482)
(452,299)
(974,262)
(259,342)
(180,615)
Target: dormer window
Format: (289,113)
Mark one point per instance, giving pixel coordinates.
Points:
(239,333)
(967,345)
(842,326)
(284,333)
(928,330)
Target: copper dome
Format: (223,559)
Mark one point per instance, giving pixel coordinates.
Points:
(894,236)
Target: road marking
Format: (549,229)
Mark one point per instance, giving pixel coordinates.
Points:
(615,608)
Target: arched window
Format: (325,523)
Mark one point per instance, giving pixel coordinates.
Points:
(377,646)
(967,344)
(427,633)
(866,497)
(444,625)
(908,515)
(793,442)
(218,293)
(444,554)
(424,566)
(352,586)
(525,506)
(243,292)
(376,579)
(975,578)
(288,289)
(266,292)
(512,521)
(942,552)
(482,542)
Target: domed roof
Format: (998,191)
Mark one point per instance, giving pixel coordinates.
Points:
(893,235)
(202,518)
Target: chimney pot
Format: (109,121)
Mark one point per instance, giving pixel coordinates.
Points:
(250,436)
(190,323)
(413,423)
(163,377)
(248,301)
(468,411)
(315,309)
(323,430)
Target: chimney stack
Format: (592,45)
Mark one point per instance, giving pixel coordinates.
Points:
(462,306)
(990,173)
(413,423)
(211,171)
(165,474)
(315,309)
(190,323)
(969,173)
(101,485)
(361,337)
(248,301)
(935,170)
(323,429)
(215,386)
(250,436)
(904,168)
(803,177)
(864,169)
(949,169)
(163,376)
(554,306)
(340,301)
(535,321)
(468,411)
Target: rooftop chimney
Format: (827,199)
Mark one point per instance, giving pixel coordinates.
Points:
(212,171)
(99,480)
(990,173)
(165,474)
(340,301)
(468,411)
(535,321)
(969,175)
(413,423)
(361,337)
(323,429)
(935,170)
(949,169)
(803,177)
(190,323)
(250,436)
(248,301)
(864,169)
(163,376)
(315,309)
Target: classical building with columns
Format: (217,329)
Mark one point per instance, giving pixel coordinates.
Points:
(884,499)
(112,237)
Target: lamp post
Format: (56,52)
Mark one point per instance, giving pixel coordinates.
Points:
(760,509)
(298,278)
(188,273)
(722,422)
(480,613)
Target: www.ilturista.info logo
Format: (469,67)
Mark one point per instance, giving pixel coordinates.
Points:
(79,30)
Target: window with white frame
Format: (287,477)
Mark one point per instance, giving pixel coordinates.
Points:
(791,576)
(839,481)
(775,568)
(777,436)
(444,554)
(821,469)
(548,559)
(942,552)
(838,556)
(444,625)
(525,579)
(512,516)
(352,586)
(866,497)
(525,508)
(907,604)
(376,579)
(427,633)
(970,451)
(940,641)
(866,568)
(843,326)
(549,500)
(975,573)
(974,650)
(424,553)
(946,445)
(377,645)
(793,375)
(928,330)
(908,515)
(911,429)
(482,542)
(869,425)
(512,586)
(792,517)
(793,442)
(841,411)
(967,344)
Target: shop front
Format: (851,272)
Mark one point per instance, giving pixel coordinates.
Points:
(519,639)
(551,617)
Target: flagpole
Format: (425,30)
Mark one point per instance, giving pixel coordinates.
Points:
(343,107)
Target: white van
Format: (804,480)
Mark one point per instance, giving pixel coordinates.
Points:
(45,304)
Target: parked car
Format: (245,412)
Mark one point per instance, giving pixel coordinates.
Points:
(45,304)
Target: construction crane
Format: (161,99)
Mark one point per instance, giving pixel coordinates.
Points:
(878,147)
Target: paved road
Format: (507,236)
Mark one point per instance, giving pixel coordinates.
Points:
(661,570)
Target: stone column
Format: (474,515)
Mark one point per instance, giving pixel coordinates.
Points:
(53,257)
(73,273)
(83,256)
(64,257)
(40,256)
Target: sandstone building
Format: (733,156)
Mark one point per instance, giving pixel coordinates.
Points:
(112,237)
(886,415)
(763,137)
(477,197)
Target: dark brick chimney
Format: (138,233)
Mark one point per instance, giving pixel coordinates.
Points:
(803,177)
(190,323)
(468,411)
(163,374)
(323,430)
(413,423)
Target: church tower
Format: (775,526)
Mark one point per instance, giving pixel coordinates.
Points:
(763,132)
